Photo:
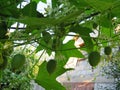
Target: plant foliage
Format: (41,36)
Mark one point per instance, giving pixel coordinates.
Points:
(47,31)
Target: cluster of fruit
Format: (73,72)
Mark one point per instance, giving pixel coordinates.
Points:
(93,59)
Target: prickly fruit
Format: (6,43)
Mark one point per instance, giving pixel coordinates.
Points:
(107,50)
(51,66)
(18,61)
(94,58)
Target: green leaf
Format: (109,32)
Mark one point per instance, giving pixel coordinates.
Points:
(48,21)
(37,22)
(69,17)
(106,34)
(79,3)
(49,81)
(115,10)
(84,33)
(37,1)
(39,48)
(45,46)
(55,3)
(5,3)
(69,50)
(102,4)
(11,11)
(43,1)
(106,20)
(30,9)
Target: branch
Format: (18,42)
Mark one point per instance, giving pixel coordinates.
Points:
(84,18)
(16,28)
(31,69)
(44,45)
(107,41)
(91,15)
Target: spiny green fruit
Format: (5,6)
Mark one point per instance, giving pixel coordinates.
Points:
(107,50)
(51,66)
(18,61)
(94,58)
(4,64)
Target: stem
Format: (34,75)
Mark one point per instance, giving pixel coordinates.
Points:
(37,60)
(43,45)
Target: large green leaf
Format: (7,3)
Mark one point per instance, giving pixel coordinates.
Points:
(115,10)
(84,33)
(105,36)
(30,9)
(107,32)
(105,5)
(69,50)
(106,20)
(49,21)
(69,17)
(49,81)
(32,21)
(55,3)
(102,4)
(8,3)
(9,9)
(79,3)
